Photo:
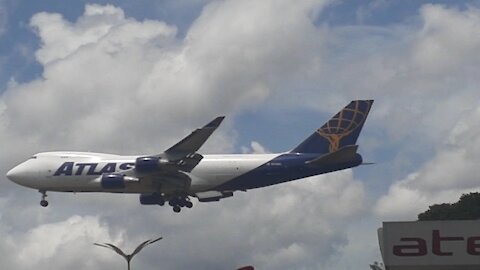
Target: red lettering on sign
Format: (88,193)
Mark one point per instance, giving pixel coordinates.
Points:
(418,246)
(437,243)
(418,249)
(473,245)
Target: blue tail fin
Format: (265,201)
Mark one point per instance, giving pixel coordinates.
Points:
(340,131)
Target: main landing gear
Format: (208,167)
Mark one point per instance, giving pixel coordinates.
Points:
(43,202)
(178,202)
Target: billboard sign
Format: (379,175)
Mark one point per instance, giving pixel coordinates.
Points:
(430,243)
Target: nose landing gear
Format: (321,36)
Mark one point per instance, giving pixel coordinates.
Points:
(43,202)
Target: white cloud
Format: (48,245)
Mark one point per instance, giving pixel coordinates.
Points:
(60,245)
(447,39)
(255,148)
(108,74)
(444,56)
(452,171)
(299,224)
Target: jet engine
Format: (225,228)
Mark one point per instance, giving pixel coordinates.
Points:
(148,164)
(115,180)
(151,199)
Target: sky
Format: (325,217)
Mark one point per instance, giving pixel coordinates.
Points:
(135,77)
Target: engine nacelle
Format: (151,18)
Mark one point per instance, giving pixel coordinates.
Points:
(151,199)
(115,180)
(147,164)
(112,181)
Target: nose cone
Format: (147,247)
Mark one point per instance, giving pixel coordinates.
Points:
(16,174)
(25,174)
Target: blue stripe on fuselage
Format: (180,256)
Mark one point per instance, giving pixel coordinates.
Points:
(284,168)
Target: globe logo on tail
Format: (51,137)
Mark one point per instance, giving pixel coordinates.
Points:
(344,123)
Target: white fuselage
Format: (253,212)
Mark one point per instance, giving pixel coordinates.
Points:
(82,171)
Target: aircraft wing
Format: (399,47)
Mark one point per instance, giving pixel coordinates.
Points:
(189,145)
(183,155)
(172,167)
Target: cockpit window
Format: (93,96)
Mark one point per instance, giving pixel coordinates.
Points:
(33,157)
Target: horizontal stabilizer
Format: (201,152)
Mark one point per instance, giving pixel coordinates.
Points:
(344,154)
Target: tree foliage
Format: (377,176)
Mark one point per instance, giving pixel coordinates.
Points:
(468,207)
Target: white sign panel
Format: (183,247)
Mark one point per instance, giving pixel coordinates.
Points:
(431,243)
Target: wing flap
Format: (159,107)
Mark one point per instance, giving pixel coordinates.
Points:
(213,195)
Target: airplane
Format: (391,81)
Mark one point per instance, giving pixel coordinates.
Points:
(180,173)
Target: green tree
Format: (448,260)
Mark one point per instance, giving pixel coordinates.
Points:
(468,207)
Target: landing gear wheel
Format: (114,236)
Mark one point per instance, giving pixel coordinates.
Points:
(188,204)
(172,202)
(43,202)
(181,203)
(176,209)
